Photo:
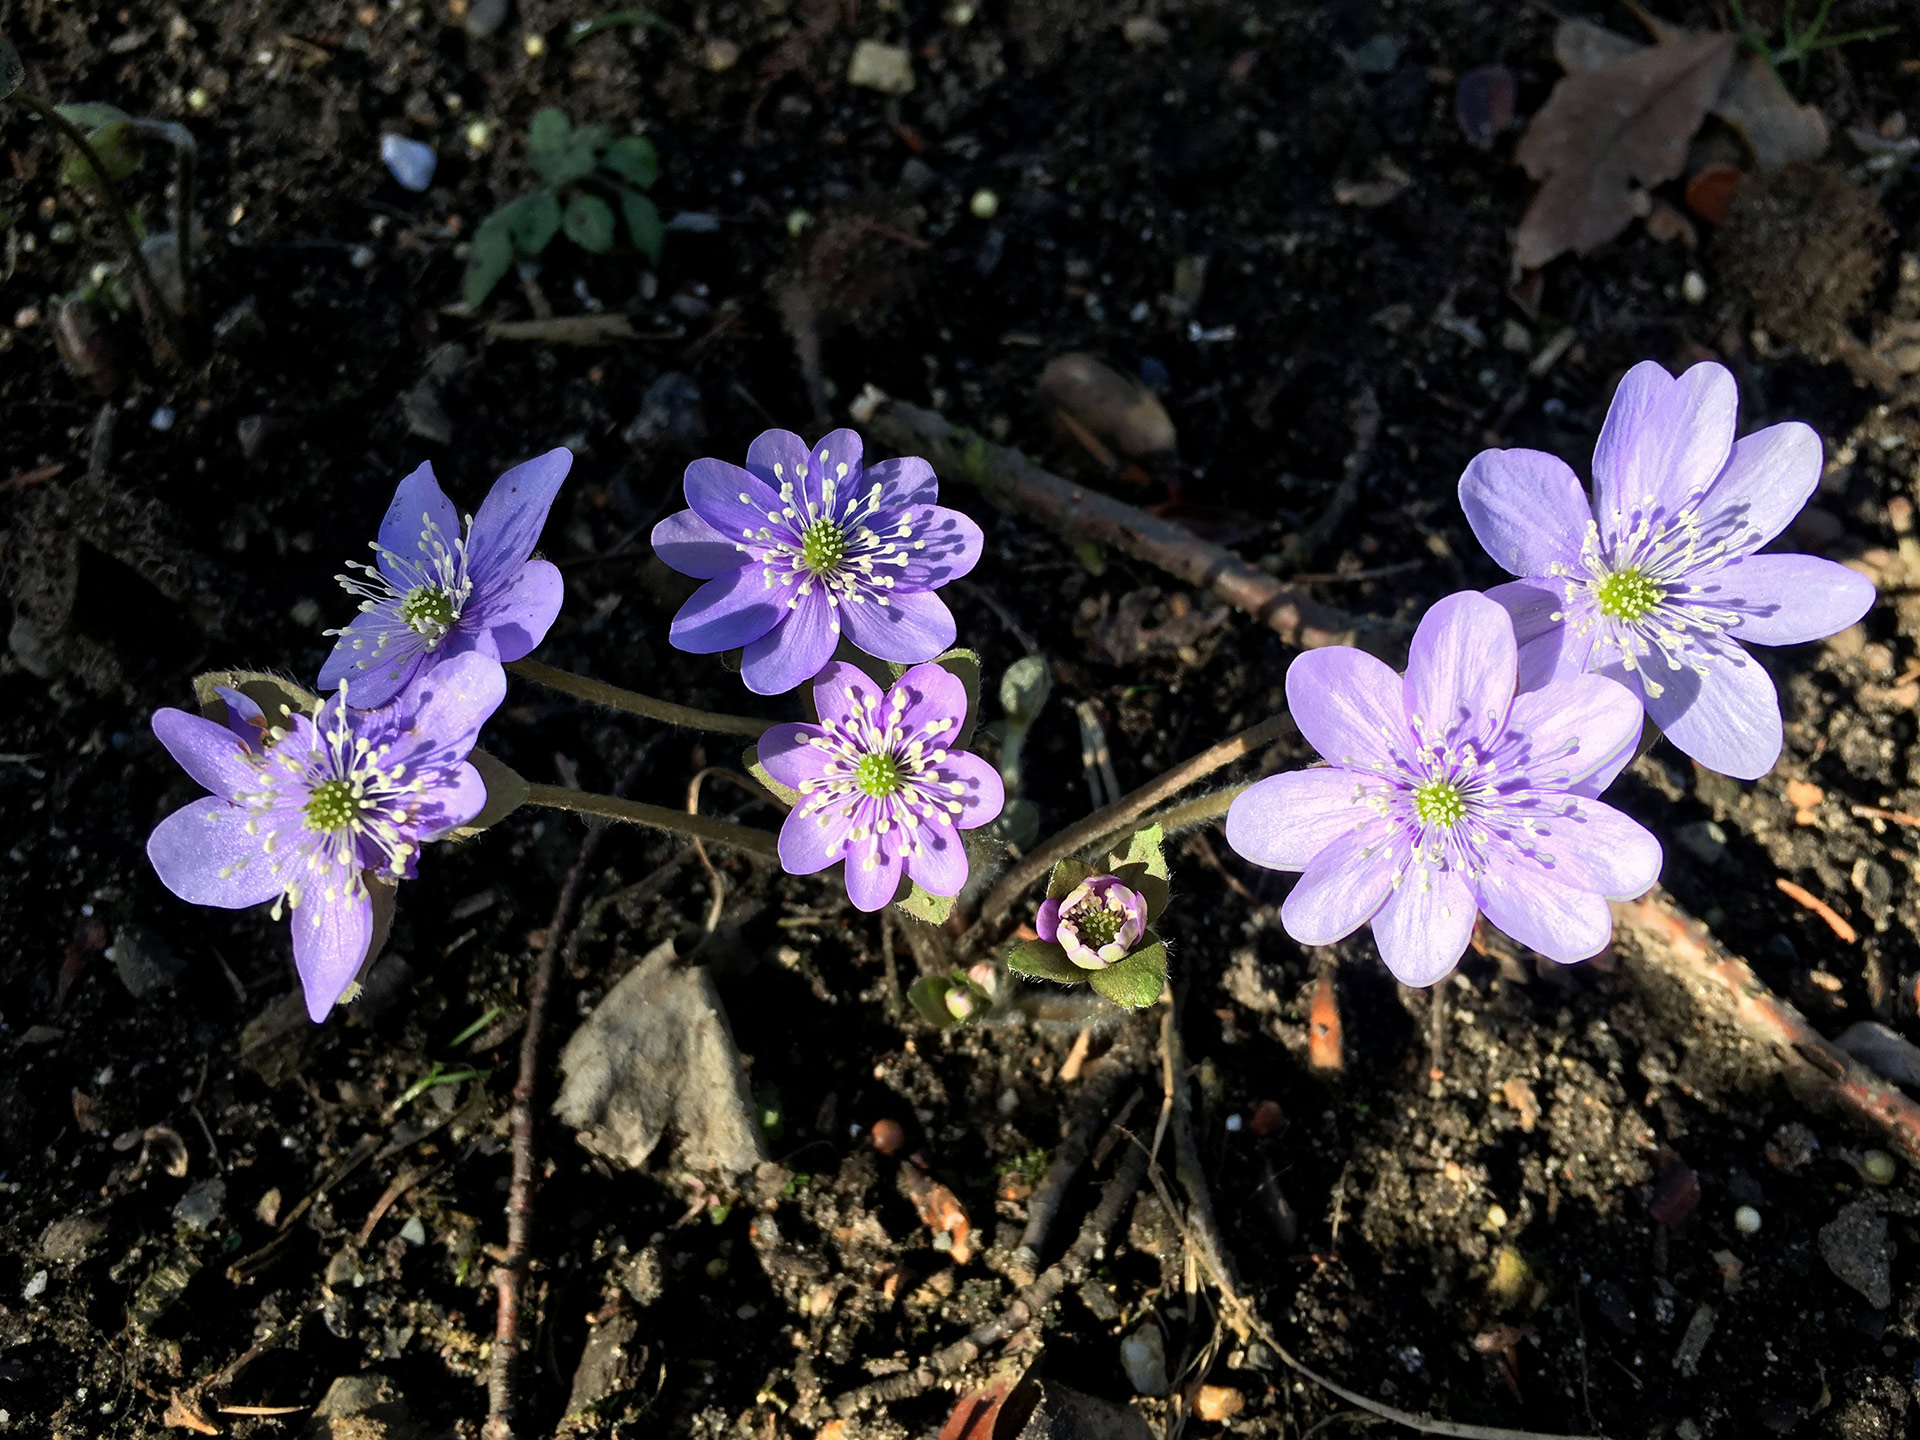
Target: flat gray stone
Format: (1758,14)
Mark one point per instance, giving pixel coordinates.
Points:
(1858,1250)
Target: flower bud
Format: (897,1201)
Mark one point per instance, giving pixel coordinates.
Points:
(1097,923)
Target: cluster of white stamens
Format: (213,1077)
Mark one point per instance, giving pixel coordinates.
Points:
(830,541)
(1642,588)
(328,810)
(420,596)
(880,777)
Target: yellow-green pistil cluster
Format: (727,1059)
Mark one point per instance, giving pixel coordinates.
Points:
(878,776)
(1097,925)
(1627,595)
(333,805)
(1440,803)
(823,545)
(428,610)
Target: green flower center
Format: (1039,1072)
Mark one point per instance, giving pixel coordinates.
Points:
(877,775)
(823,545)
(332,805)
(1439,802)
(1096,925)
(1627,595)
(428,610)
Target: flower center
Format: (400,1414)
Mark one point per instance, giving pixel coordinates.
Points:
(1096,925)
(823,545)
(1439,802)
(332,805)
(427,610)
(878,776)
(1627,594)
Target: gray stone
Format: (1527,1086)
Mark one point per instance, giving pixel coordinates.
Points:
(886,68)
(670,411)
(200,1207)
(656,1057)
(1858,1250)
(1704,840)
(484,17)
(145,963)
(1067,1414)
(73,1239)
(1143,1355)
(609,1363)
(1882,1048)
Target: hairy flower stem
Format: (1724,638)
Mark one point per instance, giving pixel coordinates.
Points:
(117,208)
(612,807)
(614,698)
(1117,816)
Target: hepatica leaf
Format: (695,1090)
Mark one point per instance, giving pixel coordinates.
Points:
(633,160)
(536,220)
(589,223)
(643,224)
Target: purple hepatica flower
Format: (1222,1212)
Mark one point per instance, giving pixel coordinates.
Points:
(797,548)
(304,814)
(1449,794)
(1656,582)
(878,786)
(1097,923)
(434,592)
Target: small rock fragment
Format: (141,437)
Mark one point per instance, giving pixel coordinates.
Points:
(886,68)
(1143,32)
(1694,1343)
(1215,1403)
(67,1241)
(1882,1048)
(484,17)
(414,1232)
(1858,1250)
(608,1364)
(1879,1167)
(1792,1146)
(362,1407)
(720,54)
(201,1205)
(1143,1355)
(670,412)
(1112,416)
(35,1287)
(1705,840)
(144,961)
(409,162)
(1747,1220)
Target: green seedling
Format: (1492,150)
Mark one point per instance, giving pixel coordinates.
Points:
(587,174)
(1798,43)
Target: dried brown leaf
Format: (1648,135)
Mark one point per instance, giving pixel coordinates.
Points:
(1606,135)
(1776,128)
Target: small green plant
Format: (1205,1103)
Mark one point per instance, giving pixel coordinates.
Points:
(1798,42)
(587,173)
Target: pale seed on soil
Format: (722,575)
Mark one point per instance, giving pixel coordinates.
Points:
(1746,1220)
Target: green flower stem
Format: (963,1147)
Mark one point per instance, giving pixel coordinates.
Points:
(116,207)
(614,698)
(611,807)
(1118,816)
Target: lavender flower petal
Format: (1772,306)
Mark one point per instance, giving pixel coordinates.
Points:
(777,457)
(727,612)
(1046,923)
(1548,646)
(515,619)
(212,754)
(1423,929)
(1581,732)
(1791,599)
(981,795)
(785,754)
(1562,922)
(1347,704)
(735,502)
(908,480)
(1526,508)
(330,939)
(793,654)
(837,457)
(1664,439)
(933,693)
(1727,719)
(939,866)
(419,507)
(1285,820)
(1592,846)
(873,878)
(1343,886)
(438,720)
(509,521)
(203,853)
(951,545)
(1769,479)
(690,545)
(1461,669)
(908,628)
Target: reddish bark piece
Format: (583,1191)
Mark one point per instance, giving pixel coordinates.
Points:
(997,1411)
(1676,1190)
(1326,1049)
(939,1209)
(1606,135)
(1836,922)
(1267,1118)
(1710,192)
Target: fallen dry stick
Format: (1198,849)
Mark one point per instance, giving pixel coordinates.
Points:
(1015,483)
(1806,899)
(1681,947)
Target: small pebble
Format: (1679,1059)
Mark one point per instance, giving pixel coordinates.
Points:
(1496,1217)
(26,317)
(163,418)
(36,1287)
(887,1136)
(479,135)
(1879,1167)
(360,257)
(1693,289)
(535,45)
(198,99)
(984,204)
(414,1232)
(797,221)
(1746,1220)
(1235,1124)
(408,161)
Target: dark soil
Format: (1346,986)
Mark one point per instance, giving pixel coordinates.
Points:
(1475,1217)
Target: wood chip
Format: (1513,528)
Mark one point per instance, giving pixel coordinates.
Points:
(1803,897)
(1326,1048)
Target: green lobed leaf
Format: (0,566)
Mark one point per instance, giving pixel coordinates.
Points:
(933,909)
(634,160)
(1136,982)
(1024,689)
(547,134)
(536,220)
(506,793)
(275,696)
(491,256)
(786,794)
(1142,864)
(1041,960)
(12,73)
(589,223)
(1066,875)
(110,131)
(644,226)
(928,995)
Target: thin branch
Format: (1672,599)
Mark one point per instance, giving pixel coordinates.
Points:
(635,812)
(1099,1087)
(1671,941)
(614,698)
(1014,483)
(1115,817)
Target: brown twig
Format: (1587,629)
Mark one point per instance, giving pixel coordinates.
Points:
(1071,1268)
(510,1276)
(1014,483)
(1106,821)
(1666,938)
(1102,1083)
(389,1197)
(597,692)
(1805,898)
